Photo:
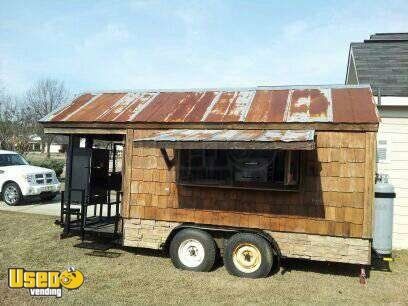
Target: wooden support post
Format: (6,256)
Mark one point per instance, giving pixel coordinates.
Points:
(127,173)
(370,166)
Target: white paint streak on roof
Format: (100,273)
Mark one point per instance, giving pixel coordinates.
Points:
(144,101)
(119,106)
(213,103)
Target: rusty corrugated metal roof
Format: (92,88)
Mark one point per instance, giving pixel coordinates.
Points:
(163,138)
(337,104)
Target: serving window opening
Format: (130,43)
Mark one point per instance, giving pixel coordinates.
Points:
(250,169)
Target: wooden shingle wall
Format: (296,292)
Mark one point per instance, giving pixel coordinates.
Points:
(335,197)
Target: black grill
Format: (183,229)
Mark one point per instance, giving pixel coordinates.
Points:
(43,178)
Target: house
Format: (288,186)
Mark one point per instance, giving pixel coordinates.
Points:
(382,62)
(255,173)
(35,143)
(58,145)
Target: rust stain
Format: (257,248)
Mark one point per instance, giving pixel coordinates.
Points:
(92,111)
(348,105)
(366,112)
(354,104)
(161,106)
(230,107)
(117,108)
(268,106)
(342,106)
(220,109)
(191,106)
(196,113)
(300,101)
(319,104)
(309,105)
(134,108)
(76,104)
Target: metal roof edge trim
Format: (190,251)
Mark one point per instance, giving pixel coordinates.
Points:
(254,88)
(91,124)
(330,86)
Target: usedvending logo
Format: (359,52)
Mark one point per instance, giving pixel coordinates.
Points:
(45,283)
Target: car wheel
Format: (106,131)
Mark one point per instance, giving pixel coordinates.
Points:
(193,250)
(248,255)
(12,194)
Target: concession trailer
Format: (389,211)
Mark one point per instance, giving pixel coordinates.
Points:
(250,174)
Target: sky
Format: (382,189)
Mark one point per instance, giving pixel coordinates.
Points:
(128,45)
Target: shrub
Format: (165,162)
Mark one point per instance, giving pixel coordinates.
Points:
(55,164)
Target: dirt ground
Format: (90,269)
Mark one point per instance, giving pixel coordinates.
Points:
(135,276)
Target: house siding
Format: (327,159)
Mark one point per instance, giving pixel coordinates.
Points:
(395,131)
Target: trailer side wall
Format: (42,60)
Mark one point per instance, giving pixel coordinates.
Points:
(335,198)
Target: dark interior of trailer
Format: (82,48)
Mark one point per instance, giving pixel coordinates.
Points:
(252,169)
(91,201)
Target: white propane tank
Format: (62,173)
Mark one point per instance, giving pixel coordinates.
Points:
(383,216)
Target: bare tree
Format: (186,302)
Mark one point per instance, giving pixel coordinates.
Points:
(6,118)
(14,131)
(44,97)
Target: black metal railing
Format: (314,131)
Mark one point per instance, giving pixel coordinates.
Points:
(67,211)
(83,222)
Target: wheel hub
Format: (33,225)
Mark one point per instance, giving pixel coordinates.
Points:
(11,194)
(247,257)
(191,253)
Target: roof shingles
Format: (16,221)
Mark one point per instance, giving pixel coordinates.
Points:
(382,62)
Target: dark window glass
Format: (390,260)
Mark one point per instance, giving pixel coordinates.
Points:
(11,160)
(258,169)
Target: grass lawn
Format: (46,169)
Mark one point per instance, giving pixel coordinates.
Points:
(144,277)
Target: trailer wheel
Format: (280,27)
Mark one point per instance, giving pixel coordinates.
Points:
(193,250)
(248,255)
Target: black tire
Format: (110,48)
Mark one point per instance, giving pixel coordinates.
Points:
(10,199)
(48,197)
(248,255)
(185,241)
